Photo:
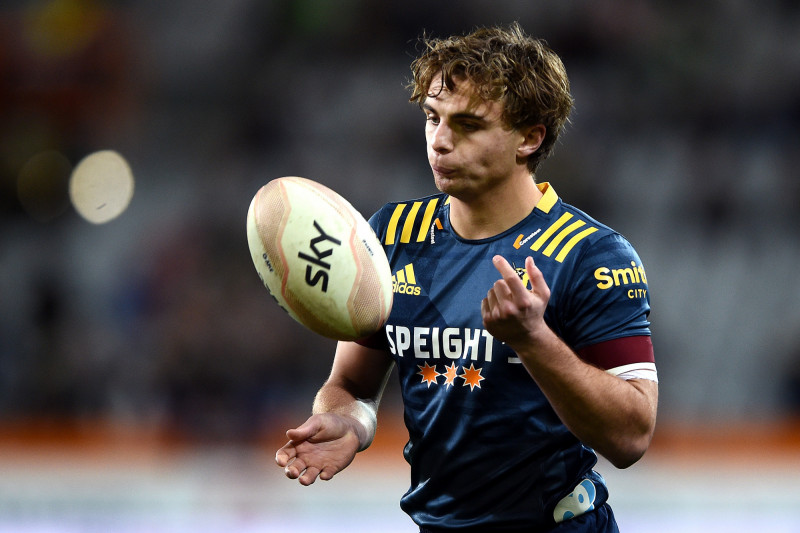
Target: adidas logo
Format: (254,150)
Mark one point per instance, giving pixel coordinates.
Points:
(405,282)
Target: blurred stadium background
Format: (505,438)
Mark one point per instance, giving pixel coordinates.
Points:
(146,378)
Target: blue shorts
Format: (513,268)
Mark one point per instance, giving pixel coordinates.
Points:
(600,520)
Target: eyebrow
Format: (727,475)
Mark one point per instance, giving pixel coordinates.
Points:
(457,116)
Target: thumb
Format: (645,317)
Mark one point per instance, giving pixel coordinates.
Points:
(304,432)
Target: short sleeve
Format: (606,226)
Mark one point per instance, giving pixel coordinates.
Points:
(607,296)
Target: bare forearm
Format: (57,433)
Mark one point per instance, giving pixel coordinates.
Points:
(354,388)
(611,415)
(333,398)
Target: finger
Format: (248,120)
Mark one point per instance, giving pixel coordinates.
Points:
(486,308)
(327,473)
(497,293)
(510,276)
(502,289)
(538,284)
(295,468)
(494,297)
(309,476)
(285,454)
(505,269)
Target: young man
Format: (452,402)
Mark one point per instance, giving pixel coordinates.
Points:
(519,326)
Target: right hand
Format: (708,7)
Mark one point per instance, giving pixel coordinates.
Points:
(322,447)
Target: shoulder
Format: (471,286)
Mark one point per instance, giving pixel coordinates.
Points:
(589,254)
(570,235)
(410,220)
(605,245)
(601,286)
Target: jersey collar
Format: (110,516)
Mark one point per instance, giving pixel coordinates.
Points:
(546,202)
(549,199)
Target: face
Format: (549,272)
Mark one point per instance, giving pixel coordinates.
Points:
(470,149)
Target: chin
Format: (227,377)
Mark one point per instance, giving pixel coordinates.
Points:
(455,189)
(446,185)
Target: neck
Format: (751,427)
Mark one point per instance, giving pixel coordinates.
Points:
(491,214)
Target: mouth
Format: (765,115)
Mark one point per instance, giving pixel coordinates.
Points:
(442,171)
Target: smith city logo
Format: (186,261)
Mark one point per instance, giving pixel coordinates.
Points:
(404,281)
(622,277)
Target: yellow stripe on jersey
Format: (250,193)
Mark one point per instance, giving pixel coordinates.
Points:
(405,275)
(408,225)
(410,277)
(561,236)
(430,209)
(572,242)
(410,220)
(550,231)
(392,229)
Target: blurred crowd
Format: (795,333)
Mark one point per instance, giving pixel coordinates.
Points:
(684,138)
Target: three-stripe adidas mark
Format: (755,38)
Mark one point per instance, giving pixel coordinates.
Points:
(405,282)
(556,234)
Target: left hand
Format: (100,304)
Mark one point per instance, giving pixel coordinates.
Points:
(322,447)
(512,313)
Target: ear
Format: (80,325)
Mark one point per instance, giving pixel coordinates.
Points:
(532,138)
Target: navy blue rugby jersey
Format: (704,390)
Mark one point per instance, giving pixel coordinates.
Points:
(485,447)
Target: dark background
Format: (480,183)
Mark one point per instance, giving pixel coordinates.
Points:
(684,138)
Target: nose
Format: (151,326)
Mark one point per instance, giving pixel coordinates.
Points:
(441,139)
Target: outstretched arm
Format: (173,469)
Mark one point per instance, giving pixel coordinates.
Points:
(344,416)
(613,416)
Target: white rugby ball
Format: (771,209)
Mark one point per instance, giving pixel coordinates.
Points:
(319,258)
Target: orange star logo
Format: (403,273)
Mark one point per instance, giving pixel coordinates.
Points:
(450,375)
(472,377)
(428,373)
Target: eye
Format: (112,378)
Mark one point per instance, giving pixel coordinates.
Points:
(433,119)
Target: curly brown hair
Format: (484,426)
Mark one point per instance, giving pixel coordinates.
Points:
(504,65)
